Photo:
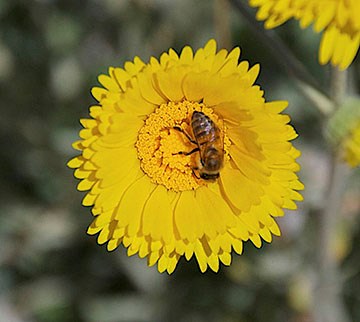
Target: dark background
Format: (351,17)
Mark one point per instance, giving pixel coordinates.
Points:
(51,52)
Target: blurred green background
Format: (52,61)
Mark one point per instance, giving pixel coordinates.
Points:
(51,52)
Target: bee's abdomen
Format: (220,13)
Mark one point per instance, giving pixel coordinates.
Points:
(203,128)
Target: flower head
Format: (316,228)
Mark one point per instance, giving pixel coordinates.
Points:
(142,158)
(352,147)
(338,18)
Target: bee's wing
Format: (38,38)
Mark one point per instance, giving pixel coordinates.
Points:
(222,130)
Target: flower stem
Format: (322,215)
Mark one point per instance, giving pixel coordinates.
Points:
(339,84)
(328,303)
(222,23)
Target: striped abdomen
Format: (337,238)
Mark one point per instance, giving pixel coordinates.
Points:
(208,138)
(204,129)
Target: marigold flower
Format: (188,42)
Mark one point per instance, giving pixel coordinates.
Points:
(338,18)
(145,190)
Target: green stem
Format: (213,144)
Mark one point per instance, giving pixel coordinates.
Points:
(222,23)
(328,303)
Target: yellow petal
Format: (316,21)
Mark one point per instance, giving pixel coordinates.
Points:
(289,204)
(243,67)
(219,61)
(350,52)
(157,216)
(76,162)
(238,246)
(241,192)
(147,89)
(170,83)
(252,168)
(113,244)
(340,48)
(99,93)
(105,235)
(225,258)
(188,217)
(153,258)
(253,73)
(194,86)
(85,184)
(327,14)
(186,56)
(144,249)
(256,240)
(109,83)
(110,197)
(92,229)
(122,78)
(81,173)
(173,260)
(265,234)
(219,215)
(220,90)
(132,204)
(114,164)
(210,48)
(134,102)
(200,256)
(275,230)
(163,263)
(231,62)
(89,199)
(276,106)
(327,45)
(231,112)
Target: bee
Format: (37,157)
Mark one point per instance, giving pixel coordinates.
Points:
(207,137)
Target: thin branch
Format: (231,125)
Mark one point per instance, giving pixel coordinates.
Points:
(328,302)
(320,101)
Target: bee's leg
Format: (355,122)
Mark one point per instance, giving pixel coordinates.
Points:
(191,152)
(178,128)
(187,153)
(194,173)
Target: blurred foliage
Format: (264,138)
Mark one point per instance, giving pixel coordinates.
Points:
(50,54)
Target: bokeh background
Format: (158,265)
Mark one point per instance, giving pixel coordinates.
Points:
(51,52)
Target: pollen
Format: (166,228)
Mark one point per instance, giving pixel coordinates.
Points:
(162,145)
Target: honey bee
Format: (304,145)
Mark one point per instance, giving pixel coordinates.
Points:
(207,137)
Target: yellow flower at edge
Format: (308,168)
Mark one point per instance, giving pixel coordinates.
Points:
(339,20)
(149,197)
(352,147)
(343,130)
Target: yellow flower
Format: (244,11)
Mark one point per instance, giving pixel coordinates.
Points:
(338,18)
(148,196)
(352,147)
